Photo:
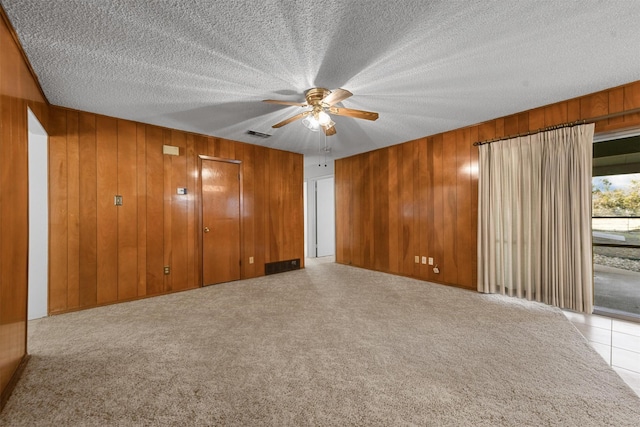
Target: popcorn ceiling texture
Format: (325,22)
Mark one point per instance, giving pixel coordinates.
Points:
(425,66)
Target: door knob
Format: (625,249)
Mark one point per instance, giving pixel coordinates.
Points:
(206,229)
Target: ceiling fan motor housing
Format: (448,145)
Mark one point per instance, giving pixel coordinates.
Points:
(314,96)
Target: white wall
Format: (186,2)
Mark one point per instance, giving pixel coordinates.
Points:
(315,170)
(38,219)
(325,217)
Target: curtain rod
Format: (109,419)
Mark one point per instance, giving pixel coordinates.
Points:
(560,126)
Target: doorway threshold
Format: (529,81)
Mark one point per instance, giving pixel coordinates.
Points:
(616,314)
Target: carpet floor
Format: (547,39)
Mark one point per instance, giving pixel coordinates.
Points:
(327,345)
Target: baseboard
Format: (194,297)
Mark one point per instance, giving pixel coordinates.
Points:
(6,393)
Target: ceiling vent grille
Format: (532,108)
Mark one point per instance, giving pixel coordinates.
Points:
(258,134)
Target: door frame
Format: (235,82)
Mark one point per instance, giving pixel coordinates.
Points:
(38,141)
(311,225)
(200,237)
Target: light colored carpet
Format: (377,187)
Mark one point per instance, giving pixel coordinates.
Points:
(329,345)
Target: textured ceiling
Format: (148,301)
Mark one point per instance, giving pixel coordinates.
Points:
(425,66)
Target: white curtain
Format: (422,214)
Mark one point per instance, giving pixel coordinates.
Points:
(534,218)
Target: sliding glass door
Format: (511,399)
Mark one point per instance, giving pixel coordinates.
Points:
(616,226)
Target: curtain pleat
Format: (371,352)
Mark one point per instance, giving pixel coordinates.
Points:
(534,218)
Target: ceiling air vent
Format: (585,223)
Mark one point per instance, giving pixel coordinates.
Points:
(258,134)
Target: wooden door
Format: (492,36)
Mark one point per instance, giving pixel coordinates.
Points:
(220,221)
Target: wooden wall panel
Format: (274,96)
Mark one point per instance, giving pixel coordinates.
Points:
(19,90)
(118,253)
(392,211)
(141,220)
(449,266)
(430,191)
(58,215)
(248,208)
(464,240)
(154,214)
(426,204)
(179,214)
(107,212)
(127,213)
(406,209)
(73,211)
(436,242)
(379,176)
(88,226)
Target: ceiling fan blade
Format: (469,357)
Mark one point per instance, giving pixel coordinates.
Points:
(275,101)
(336,96)
(329,130)
(356,114)
(291,119)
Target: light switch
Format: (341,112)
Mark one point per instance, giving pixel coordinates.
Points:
(250,260)
(424,259)
(430,261)
(417,259)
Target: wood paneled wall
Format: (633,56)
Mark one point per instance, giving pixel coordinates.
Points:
(420,198)
(18,90)
(101,253)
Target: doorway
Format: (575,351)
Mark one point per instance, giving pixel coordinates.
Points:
(220,221)
(38,282)
(616,227)
(320,217)
(325,218)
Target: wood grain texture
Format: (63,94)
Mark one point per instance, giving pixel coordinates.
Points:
(73,209)
(436,243)
(154,214)
(179,214)
(18,90)
(107,212)
(431,201)
(127,213)
(141,200)
(118,253)
(88,225)
(58,211)
(392,211)
(221,216)
(449,266)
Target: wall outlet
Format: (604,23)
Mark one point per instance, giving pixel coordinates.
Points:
(117,200)
(250,260)
(417,259)
(424,259)
(430,261)
(167,269)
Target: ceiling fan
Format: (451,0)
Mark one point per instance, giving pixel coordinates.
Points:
(322,102)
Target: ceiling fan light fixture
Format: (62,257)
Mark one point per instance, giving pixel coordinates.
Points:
(323,118)
(322,103)
(311,123)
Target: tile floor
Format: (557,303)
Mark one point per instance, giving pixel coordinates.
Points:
(617,341)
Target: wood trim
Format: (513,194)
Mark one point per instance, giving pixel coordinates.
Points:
(218,159)
(562,124)
(16,39)
(11,385)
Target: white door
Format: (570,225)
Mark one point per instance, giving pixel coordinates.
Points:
(325,218)
(38,220)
